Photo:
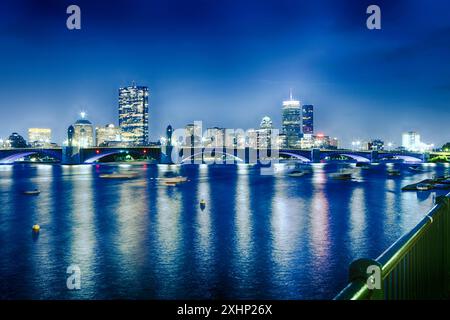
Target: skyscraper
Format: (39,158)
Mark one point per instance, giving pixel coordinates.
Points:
(308,119)
(292,122)
(411,141)
(133,114)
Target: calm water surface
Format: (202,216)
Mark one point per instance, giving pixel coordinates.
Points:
(259,236)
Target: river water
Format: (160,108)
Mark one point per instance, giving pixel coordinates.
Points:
(259,236)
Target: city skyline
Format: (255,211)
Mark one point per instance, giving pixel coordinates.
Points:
(227,72)
(134,98)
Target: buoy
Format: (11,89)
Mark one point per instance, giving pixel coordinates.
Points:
(36,228)
(202,204)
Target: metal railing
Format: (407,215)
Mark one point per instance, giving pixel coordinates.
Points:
(416,266)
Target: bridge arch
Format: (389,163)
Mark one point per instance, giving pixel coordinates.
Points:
(215,153)
(355,157)
(10,159)
(101,155)
(294,155)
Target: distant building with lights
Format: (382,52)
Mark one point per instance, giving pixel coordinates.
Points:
(375,144)
(17,141)
(133,114)
(264,134)
(81,133)
(214,137)
(39,137)
(319,141)
(193,134)
(292,122)
(107,135)
(308,119)
(411,142)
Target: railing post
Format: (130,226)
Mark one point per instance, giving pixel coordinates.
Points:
(445,202)
(368,272)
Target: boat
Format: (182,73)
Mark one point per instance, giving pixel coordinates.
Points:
(393,172)
(177,179)
(424,187)
(173,181)
(296,173)
(341,175)
(34,192)
(128,175)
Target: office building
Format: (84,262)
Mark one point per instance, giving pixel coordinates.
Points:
(308,119)
(291,122)
(133,114)
(39,137)
(107,135)
(214,137)
(193,135)
(411,141)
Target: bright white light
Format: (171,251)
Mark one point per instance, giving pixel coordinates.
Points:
(82,114)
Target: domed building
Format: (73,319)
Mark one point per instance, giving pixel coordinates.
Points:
(81,133)
(266,123)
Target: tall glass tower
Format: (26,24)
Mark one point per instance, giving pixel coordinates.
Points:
(133,114)
(292,122)
(308,119)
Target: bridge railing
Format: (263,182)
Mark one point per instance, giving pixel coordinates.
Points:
(417,266)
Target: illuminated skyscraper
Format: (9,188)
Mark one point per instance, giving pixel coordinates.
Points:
(308,119)
(411,141)
(133,114)
(292,122)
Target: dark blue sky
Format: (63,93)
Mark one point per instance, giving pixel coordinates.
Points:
(229,63)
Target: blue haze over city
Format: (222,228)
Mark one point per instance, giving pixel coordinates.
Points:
(229,63)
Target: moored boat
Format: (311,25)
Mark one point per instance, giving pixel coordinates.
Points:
(343,175)
(128,175)
(424,187)
(297,173)
(34,192)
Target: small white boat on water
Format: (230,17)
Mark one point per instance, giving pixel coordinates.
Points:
(341,175)
(424,187)
(128,175)
(34,192)
(173,181)
(296,173)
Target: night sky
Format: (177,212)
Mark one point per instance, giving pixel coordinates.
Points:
(229,63)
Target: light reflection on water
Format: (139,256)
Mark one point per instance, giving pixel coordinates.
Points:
(258,236)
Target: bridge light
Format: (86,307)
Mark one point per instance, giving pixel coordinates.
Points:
(97,151)
(145,151)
